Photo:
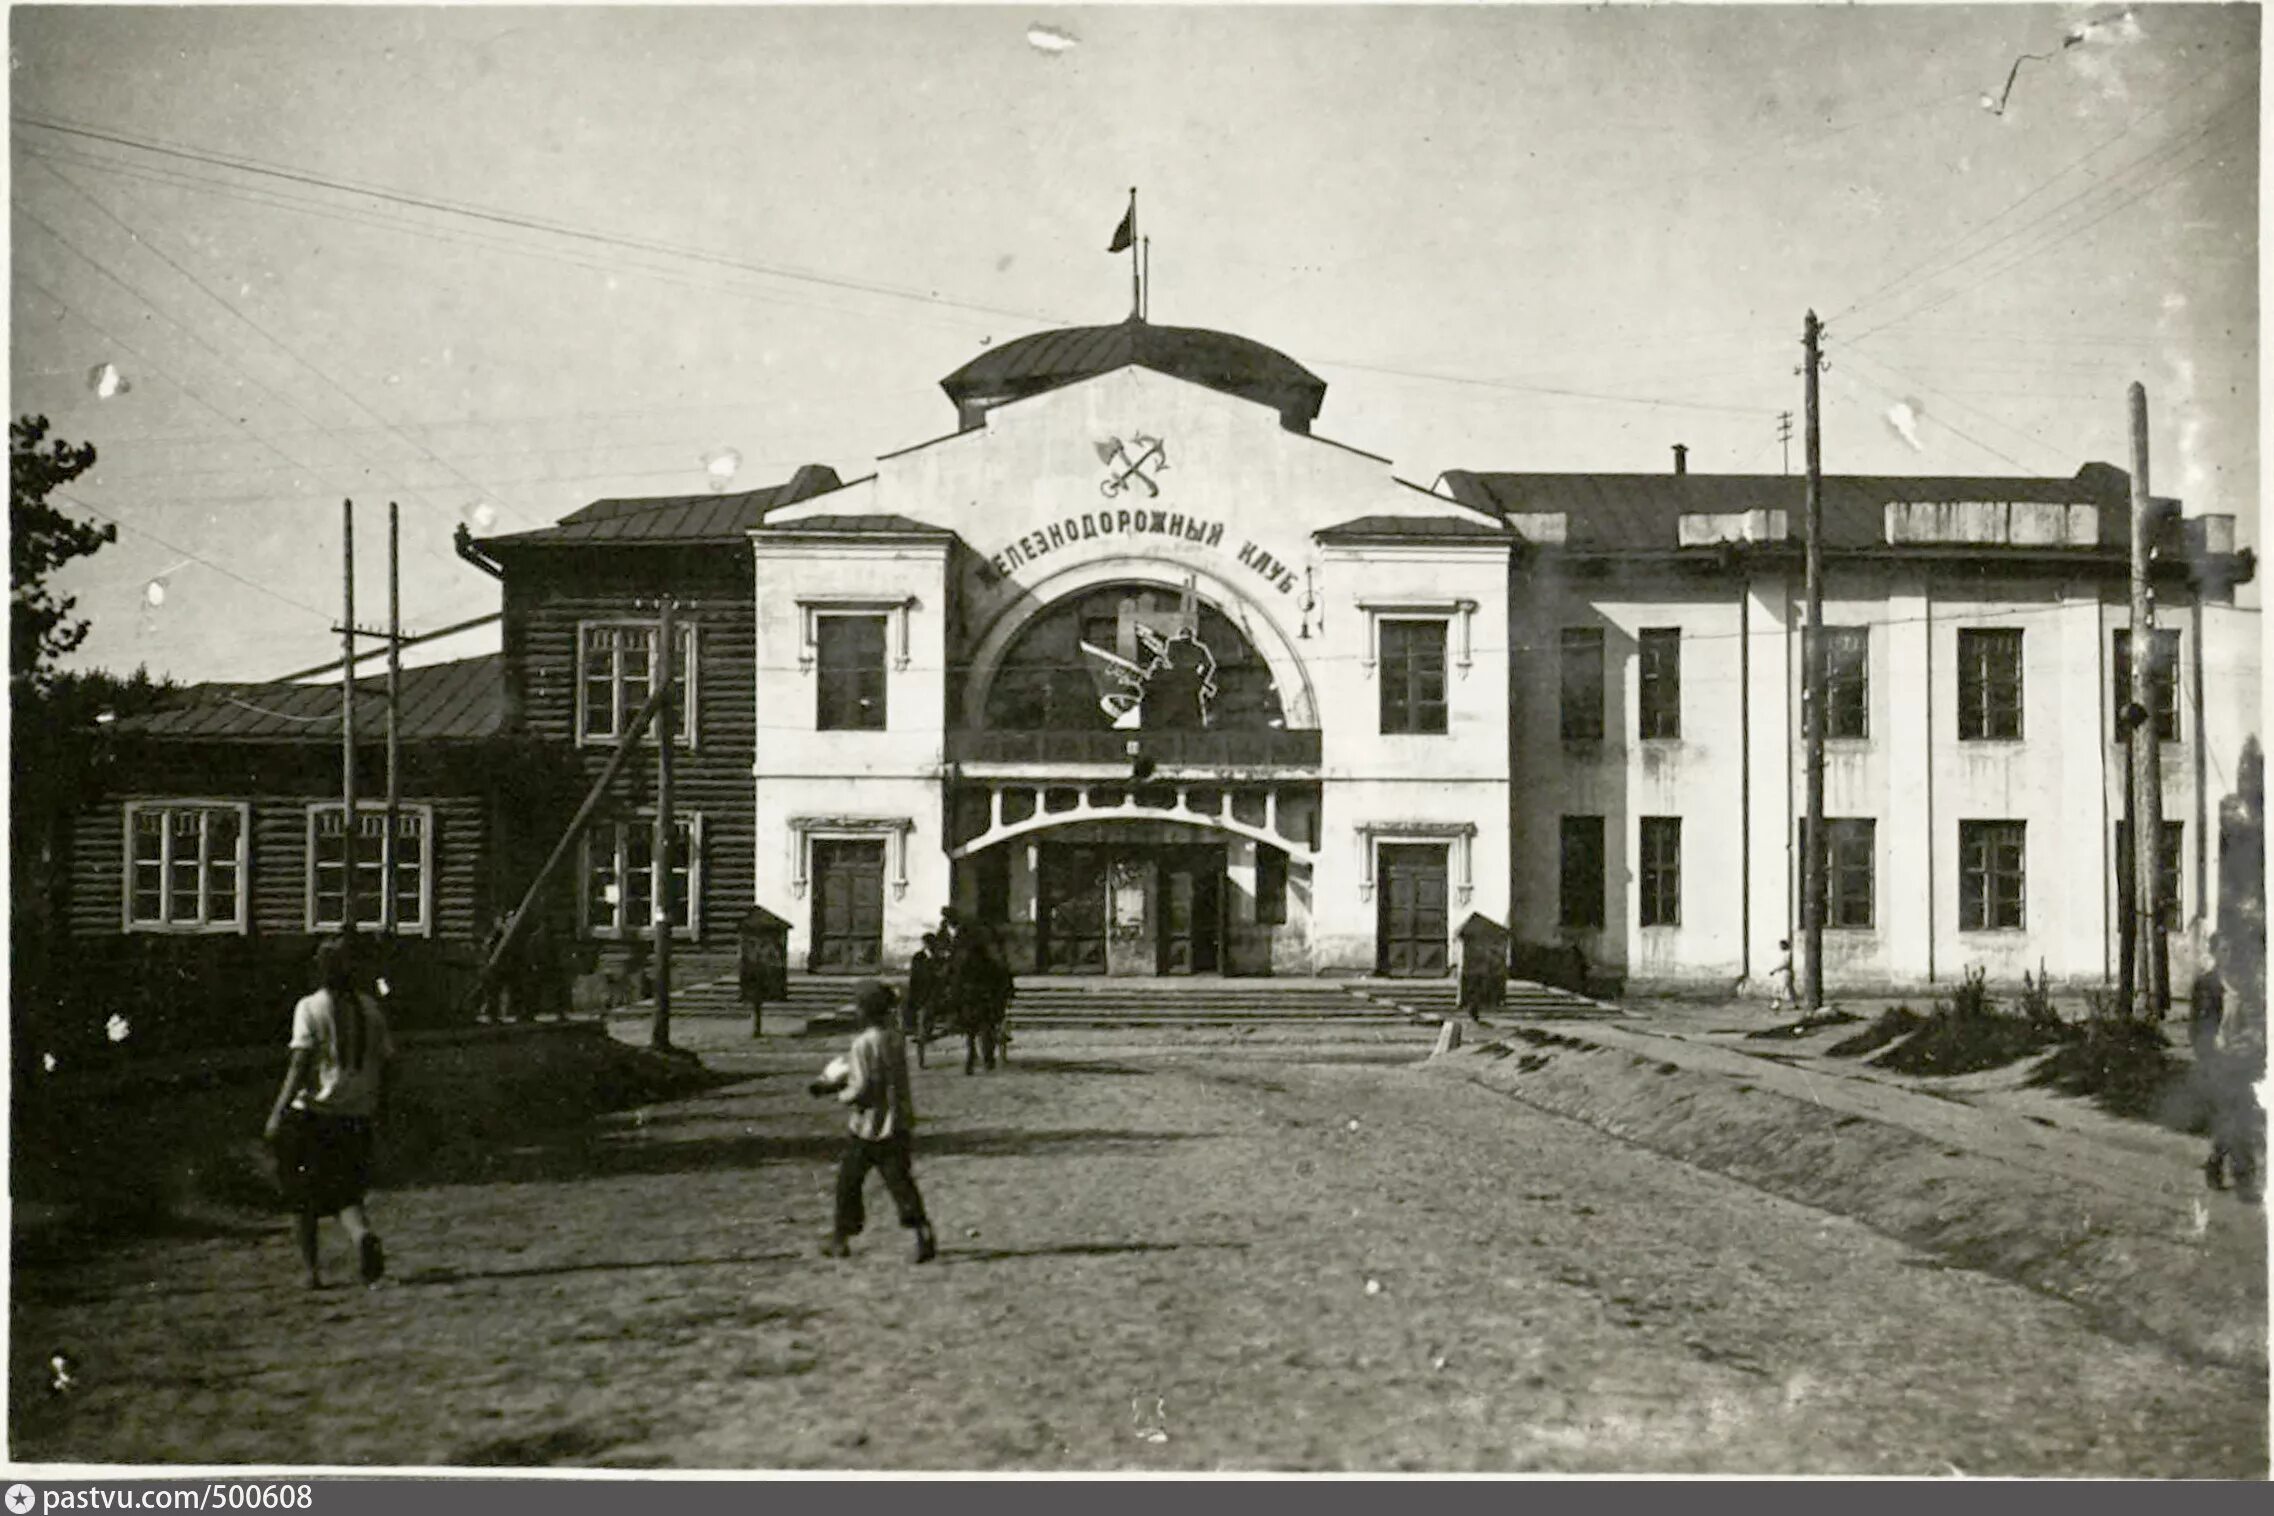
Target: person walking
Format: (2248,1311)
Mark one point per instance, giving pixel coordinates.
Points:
(1781,996)
(881,1128)
(327,1111)
(2229,1061)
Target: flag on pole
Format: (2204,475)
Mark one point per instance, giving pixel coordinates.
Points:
(1126,233)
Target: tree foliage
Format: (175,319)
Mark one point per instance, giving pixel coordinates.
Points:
(42,539)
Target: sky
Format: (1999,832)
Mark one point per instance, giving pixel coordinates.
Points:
(497,263)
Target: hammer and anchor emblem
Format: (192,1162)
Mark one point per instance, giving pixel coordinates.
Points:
(1115,455)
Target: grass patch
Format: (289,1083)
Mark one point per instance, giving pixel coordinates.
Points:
(1953,1042)
(2125,1067)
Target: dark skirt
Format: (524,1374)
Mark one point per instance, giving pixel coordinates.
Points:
(323,1162)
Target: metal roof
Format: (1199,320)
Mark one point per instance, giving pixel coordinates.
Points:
(1219,360)
(1643,511)
(1410,526)
(885,522)
(463,701)
(674,518)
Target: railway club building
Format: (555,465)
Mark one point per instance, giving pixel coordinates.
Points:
(1138,667)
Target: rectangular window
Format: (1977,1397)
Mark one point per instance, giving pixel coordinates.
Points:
(1582,684)
(1413,676)
(2167,868)
(185,867)
(1849,869)
(2163,680)
(1661,870)
(1582,872)
(1847,682)
(621,878)
(393,891)
(1659,683)
(616,674)
(849,652)
(1270,887)
(1992,862)
(1989,684)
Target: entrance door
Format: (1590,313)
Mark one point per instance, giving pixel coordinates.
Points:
(848,907)
(1192,899)
(1411,923)
(1070,890)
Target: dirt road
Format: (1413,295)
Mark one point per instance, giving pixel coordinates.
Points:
(1148,1262)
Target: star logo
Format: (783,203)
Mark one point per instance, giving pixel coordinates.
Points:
(19,1498)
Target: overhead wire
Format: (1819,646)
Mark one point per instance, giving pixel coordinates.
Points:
(1840,376)
(2157,159)
(2164,104)
(151,305)
(525,222)
(386,221)
(1912,379)
(222,569)
(2206,141)
(146,243)
(567,230)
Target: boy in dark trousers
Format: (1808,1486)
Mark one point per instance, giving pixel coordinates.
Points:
(875,1085)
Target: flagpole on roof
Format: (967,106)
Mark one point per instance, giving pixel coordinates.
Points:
(1144,311)
(1136,269)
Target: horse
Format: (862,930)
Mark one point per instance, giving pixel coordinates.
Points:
(975,1000)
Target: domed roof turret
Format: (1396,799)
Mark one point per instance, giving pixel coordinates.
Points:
(1046,360)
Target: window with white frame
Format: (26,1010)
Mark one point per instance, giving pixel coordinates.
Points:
(615,674)
(621,877)
(394,874)
(185,866)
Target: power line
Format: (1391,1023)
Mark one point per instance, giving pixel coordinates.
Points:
(303,205)
(2071,232)
(522,222)
(1945,424)
(254,166)
(1913,379)
(198,558)
(275,341)
(150,304)
(2040,188)
(2169,152)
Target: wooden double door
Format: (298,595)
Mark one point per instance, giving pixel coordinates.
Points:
(848,907)
(1137,910)
(1412,923)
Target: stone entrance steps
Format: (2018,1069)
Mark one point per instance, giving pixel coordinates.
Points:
(1046,1002)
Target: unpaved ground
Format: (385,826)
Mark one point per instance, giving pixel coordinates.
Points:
(1149,1263)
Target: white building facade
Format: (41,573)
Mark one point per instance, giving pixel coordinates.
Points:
(1138,670)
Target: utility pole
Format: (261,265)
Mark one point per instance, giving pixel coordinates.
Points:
(667,721)
(1812,694)
(2150,975)
(1784,437)
(347,720)
(390,864)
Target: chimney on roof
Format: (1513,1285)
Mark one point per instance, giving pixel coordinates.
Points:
(813,479)
(1681,458)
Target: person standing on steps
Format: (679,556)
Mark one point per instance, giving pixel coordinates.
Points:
(882,1126)
(327,1111)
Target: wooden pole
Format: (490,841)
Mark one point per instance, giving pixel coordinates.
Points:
(347,720)
(390,861)
(509,940)
(2149,973)
(666,829)
(1812,694)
